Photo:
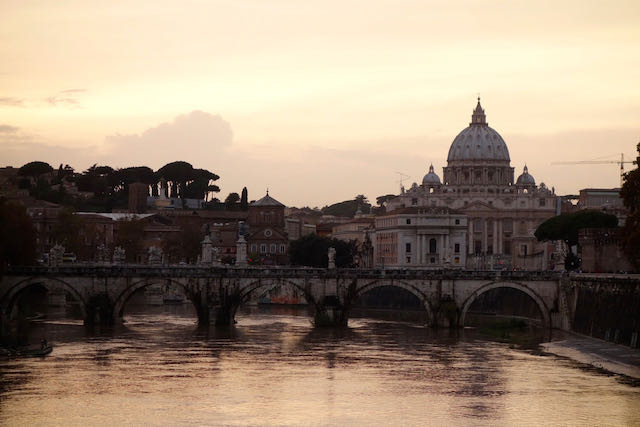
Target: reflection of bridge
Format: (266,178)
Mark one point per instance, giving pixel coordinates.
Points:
(217,292)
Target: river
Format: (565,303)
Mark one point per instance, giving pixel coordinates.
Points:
(273,367)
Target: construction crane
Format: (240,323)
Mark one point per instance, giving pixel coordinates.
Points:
(620,162)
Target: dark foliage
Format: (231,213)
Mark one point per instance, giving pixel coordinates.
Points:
(35,169)
(312,251)
(565,227)
(17,236)
(630,194)
(348,208)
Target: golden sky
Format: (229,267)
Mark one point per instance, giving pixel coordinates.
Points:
(319,100)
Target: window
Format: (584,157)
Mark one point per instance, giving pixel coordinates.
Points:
(433,247)
(456,248)
(456,260)
(408,260)
(477,246)
(506,247)
(282,249)
(457,222)
(407,248)
(272,248)
(414,201)
(523,250)
(432,260)
(408,221)
(254,248)
(263,248)
(542,202)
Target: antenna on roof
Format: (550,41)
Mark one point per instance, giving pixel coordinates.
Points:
(402,177)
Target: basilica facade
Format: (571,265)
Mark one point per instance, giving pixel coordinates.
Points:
(477,190)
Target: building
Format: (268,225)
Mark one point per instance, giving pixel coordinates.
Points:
(502,212)
(421,236)
(601,250)
(267,238)
(605,199)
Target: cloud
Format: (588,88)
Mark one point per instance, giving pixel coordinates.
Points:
(8,129)
(20,147)
(196,137)
(73,91)
(58,100)
(66,98)
(11,101)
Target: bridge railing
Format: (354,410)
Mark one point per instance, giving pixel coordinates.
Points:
(199,271)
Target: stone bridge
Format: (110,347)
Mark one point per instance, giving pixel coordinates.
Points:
(216,292)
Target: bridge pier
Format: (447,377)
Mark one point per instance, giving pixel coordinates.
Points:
(100,311)
(219,315)
(447,314)
(330,312)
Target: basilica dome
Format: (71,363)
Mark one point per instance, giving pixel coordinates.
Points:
(478,142)
(431,178)
(525,178)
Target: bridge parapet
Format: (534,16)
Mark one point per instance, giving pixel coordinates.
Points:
(195,271)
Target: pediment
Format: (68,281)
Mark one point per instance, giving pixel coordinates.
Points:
(478,205)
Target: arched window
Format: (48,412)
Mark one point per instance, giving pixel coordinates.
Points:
(433,246)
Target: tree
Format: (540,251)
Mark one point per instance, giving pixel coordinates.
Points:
(178,174)
(231,202)
(67,231)
(630,193)
(185,245)
(35,169)
(18,241)
(244,200)
(348,208)
(201,185)
(312,250)
(565,227)
(130,236)
(381,200)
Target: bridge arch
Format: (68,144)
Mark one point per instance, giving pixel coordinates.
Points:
(544,310)
(268,284)
(9,298)
(121,299)
(378,283)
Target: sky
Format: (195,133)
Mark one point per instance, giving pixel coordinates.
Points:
(319,101)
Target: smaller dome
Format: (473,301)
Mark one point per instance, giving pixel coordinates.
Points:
(525,178)
(431,178)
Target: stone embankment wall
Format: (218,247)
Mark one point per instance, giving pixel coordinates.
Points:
(605,306)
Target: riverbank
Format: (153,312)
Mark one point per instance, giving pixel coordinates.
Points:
(601,354)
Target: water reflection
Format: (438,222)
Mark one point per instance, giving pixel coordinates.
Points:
(272,367)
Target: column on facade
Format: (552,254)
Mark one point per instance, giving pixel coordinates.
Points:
(500,236)
(495,236)
(485,236)
(418,257)
(447,249)
(470,236)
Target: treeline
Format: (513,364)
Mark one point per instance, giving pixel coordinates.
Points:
(103,188)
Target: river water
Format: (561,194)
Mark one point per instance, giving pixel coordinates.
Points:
(273,367)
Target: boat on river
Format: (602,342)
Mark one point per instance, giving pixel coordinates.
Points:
(36,352)
(27,352)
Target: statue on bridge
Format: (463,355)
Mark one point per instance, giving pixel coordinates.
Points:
(155,255)
(56,254)
(102,254)
(119,255)
(332,257)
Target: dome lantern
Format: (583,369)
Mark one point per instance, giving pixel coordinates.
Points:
(478,117)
